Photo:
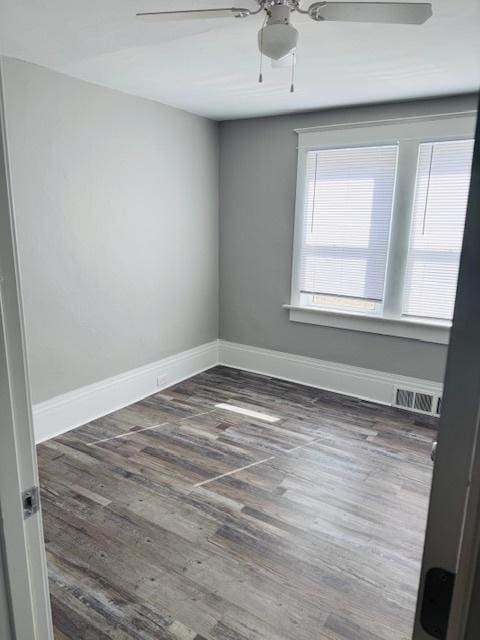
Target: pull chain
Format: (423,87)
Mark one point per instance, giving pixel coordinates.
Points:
(260,75)
(294,64)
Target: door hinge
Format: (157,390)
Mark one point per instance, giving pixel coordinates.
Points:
(436,603)
(31,502)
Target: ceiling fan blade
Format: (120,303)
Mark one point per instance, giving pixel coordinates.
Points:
(195,14)
(387,12)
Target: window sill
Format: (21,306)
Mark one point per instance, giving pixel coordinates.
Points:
(437,332)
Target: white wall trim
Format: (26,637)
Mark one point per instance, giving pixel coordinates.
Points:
(470,113)
(366,384)
(70,410)
(406,135)
(62,413)
(419,128)
(403,327)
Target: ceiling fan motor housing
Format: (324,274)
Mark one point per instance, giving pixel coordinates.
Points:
(278,37)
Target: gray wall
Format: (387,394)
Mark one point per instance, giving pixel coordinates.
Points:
(116,203)
(258,160)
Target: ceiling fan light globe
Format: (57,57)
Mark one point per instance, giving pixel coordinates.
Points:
(277,40)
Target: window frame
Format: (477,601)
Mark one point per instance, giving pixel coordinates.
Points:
(408,134)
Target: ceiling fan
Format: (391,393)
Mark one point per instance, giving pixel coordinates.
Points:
(278,38)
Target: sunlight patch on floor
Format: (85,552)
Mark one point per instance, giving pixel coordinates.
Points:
(247,412)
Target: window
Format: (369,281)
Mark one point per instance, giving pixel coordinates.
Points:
(379,225)
(442,184)
(346,225)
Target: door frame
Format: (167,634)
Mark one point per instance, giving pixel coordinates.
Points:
(464,617)
(451,541)
(5,605)
(24,548)
(453,529)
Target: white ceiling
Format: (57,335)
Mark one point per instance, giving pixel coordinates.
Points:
(211,67)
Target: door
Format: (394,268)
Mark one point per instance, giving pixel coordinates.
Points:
(451,542)
(24,568)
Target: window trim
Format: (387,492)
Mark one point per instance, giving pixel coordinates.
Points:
(437,332)
(408,134)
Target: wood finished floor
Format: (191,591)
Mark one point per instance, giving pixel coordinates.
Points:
(321,540)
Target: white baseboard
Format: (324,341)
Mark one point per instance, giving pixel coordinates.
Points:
(70,410)
(73,409)
(366,384)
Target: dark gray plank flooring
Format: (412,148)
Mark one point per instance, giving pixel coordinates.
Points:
(175,519)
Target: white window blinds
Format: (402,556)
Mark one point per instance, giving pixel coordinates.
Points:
(438,218)
(346,221)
